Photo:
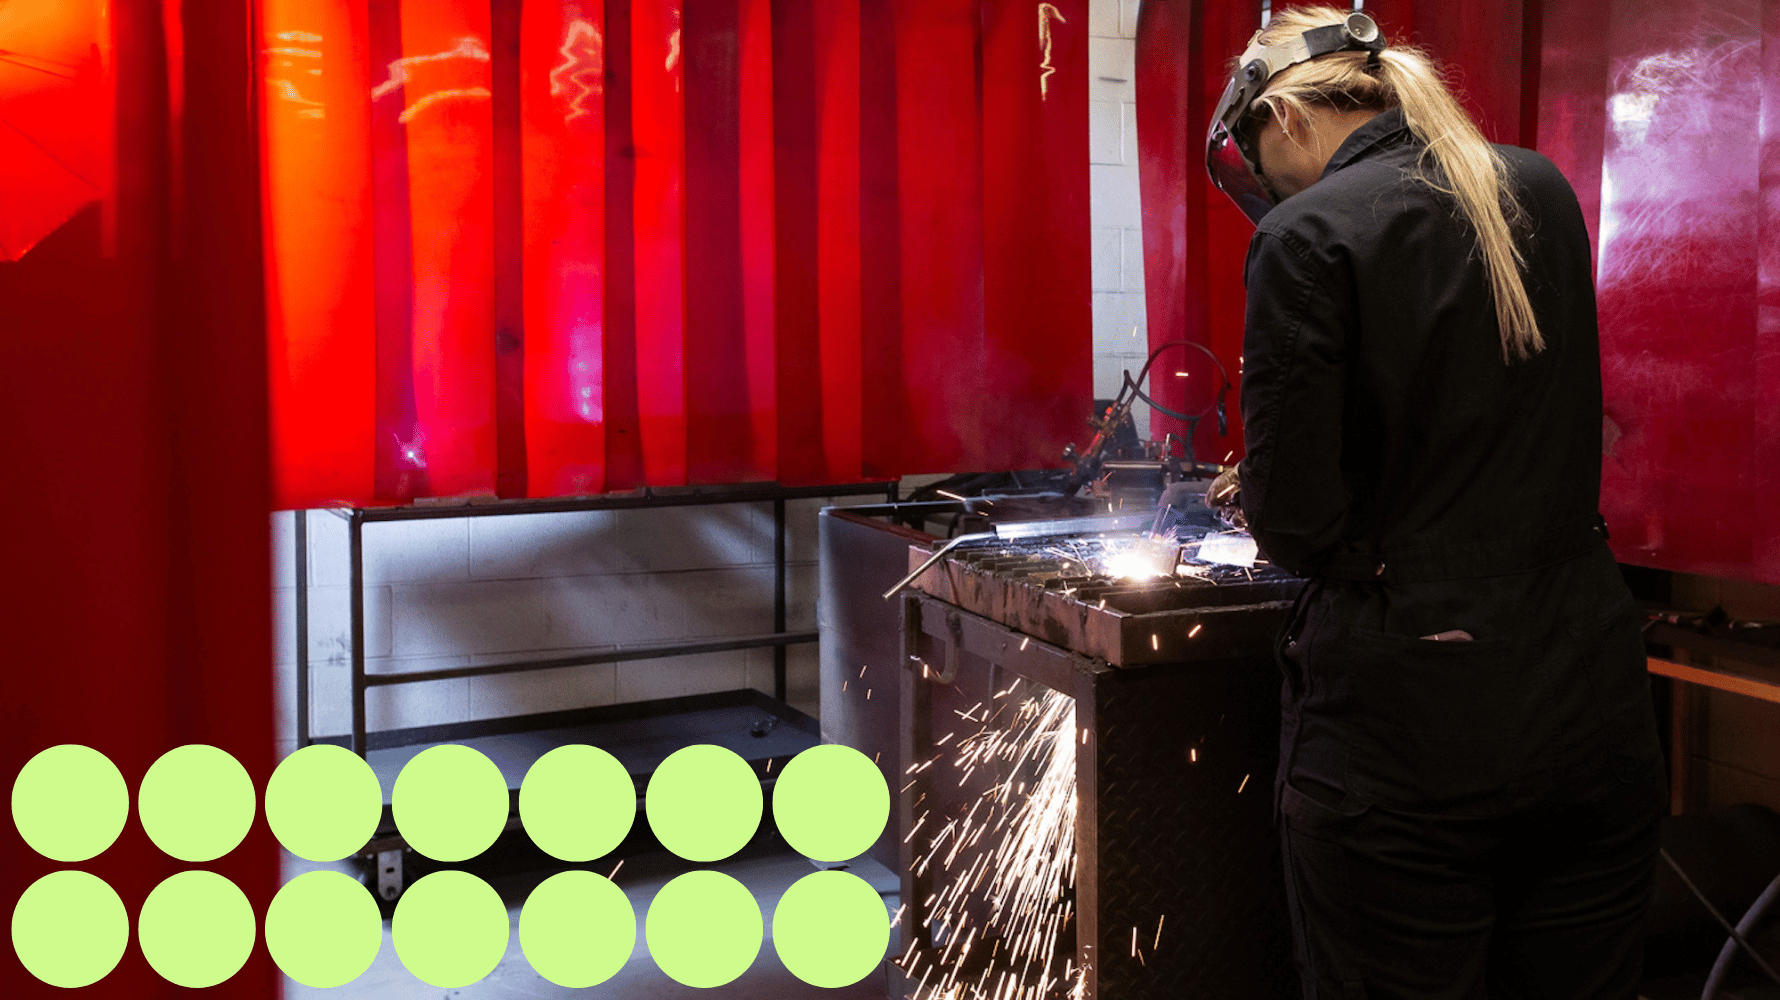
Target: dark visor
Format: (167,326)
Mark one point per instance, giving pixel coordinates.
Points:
(1231,172)
(1231,161)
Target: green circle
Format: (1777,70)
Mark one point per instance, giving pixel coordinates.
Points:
(831,803)
(323,802)
(703,802)
(704,929)
(196,802)
(70,929)
(450,929)
(577,929)
(450,802)
(830,929)
(196,929)
(577,802)
(323,929)
(69,802)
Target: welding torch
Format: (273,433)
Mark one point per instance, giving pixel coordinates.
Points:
(1086,465)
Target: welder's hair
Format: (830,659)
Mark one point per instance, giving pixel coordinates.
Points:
(1464,164)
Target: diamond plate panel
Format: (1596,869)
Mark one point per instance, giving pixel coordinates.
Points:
(1179,888)
(1187,885)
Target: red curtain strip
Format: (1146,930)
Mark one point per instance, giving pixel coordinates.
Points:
(1193,237)
(1650,110)
(562,98)
(1485,48)
(57,84)
(1037,366)
(132,388)
(600,244)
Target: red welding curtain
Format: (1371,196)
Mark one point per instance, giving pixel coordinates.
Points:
(574,246)
(133,396)
(1667,118)
(1650,109)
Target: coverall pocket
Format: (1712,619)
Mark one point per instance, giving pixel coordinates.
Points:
(1611,650)
(1612,647)
(1431,723)
(1320,820)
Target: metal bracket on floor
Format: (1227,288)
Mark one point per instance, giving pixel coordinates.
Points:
(387,853)
(389,873)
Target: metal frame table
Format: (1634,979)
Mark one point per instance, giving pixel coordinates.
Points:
(357,517)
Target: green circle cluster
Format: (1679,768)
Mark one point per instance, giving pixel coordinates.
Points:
(577,803)
(323,802)
(831,803)
(450,929)
(69,803)
(704,802)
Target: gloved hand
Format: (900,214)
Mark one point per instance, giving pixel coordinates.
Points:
(1225,499)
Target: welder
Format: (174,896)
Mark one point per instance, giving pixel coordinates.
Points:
(1470,778)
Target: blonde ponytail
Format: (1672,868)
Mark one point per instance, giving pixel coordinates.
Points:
(1465,165)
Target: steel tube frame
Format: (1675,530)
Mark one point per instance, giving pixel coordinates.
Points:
(355,544)
(1753,671)
(302,596)
(357,517)
(777,640)
(779,657)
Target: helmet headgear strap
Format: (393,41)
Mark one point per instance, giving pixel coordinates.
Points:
(1229,155)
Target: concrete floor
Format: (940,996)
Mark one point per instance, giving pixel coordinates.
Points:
(641,877)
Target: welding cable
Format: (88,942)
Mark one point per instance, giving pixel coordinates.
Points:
(1087,464)
(1136,385)
(1722,967)
(1736,935)
(1158,407)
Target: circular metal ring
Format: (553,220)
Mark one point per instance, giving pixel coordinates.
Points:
(1362,28)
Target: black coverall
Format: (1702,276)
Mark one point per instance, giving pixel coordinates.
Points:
(1460,818)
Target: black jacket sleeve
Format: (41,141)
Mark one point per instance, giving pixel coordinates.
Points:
(1296,345)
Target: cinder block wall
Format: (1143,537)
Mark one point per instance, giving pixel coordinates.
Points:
(461,591)
(1121,337)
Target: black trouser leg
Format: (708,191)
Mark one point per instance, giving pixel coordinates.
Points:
(1544,905)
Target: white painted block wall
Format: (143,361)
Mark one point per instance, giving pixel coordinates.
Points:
(1121,338)
(461,591)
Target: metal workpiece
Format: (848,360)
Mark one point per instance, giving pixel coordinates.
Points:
(1055,594)
(1020,530)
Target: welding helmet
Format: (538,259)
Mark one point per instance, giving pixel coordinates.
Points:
(1230,151)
